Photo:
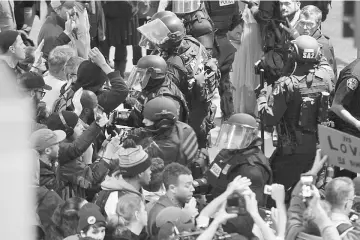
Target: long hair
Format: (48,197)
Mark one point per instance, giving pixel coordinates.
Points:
(126,207)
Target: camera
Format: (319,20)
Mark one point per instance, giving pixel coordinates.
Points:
(236,204)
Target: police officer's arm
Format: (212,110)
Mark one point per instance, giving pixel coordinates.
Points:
(325,66)
(273,102)
(343,96)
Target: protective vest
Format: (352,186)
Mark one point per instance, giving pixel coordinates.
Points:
(305,110)
(221,13)
(167,89)
(350,71)
(228,161)
(171,144)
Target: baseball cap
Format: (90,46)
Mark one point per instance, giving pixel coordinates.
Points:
(7,38)
(89,214)
(31,80)
(44,138)
(171,217)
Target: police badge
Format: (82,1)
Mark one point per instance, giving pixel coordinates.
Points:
(352,83)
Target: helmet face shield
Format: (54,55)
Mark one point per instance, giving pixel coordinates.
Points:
(138,76)
(146,43)
(235,136)
(155,31)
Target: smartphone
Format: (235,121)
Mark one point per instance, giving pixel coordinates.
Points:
(307,181)
(99,110)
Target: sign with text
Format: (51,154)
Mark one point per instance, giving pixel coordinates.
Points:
(342,149)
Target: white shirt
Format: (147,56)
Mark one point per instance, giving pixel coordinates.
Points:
(51,96)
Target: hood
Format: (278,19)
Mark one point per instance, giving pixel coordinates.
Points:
(153,196)
(113,183)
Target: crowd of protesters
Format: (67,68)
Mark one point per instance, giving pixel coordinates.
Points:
(94,181)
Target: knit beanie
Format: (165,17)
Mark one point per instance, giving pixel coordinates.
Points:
(54,122)
(89,214)
(90,77)
(133,161)
(7,38)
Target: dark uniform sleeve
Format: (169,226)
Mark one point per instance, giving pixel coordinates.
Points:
(345,91)
(274,102)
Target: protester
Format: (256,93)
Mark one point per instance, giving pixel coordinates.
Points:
(91,223)
(46,143)
(12,50)
(59,26)
(56,76)
(64,100)
(133,173)
(65,219)
(74,174)
(179,191)
(129,218)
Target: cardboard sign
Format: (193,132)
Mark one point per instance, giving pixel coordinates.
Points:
(342,149)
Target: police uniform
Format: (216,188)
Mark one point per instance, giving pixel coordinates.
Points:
(239,154)
(167,89)
(176,140)
(182,68)
(293,106)
(347,94)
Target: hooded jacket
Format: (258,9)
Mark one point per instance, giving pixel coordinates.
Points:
(112,189)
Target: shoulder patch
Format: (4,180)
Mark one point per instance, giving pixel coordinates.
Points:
(352,83)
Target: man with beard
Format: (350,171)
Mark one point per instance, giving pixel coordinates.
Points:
(179,191)
(34,86)
(46,143)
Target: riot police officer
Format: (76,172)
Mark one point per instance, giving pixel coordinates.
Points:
(150,73)
(175,140)
(237,153)
(345,109)
(189,67)
(295,105)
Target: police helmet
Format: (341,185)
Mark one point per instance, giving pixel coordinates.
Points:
(243,119)
(307,49)
(177,31)
(160,108)
(155,65)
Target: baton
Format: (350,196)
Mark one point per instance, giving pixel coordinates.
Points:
(262,113)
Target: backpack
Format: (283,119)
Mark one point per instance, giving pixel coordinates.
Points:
(64,101)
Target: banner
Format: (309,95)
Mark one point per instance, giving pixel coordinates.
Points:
(342,149)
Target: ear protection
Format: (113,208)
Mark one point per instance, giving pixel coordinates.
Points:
(68,130)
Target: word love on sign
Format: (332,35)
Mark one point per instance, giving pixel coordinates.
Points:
(342,149)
